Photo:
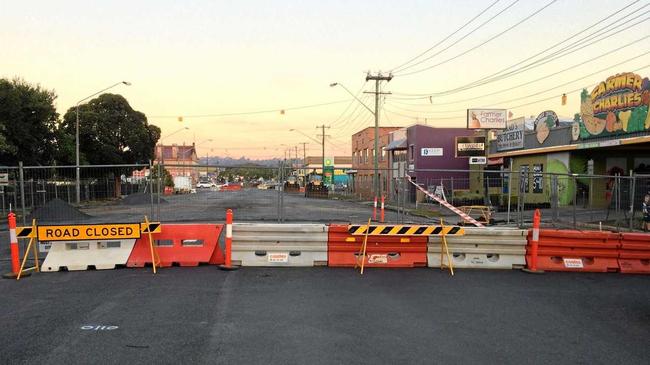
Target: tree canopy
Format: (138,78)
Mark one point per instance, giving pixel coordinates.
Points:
(28,121)
(110,132)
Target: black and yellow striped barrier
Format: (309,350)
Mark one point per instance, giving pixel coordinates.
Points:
(406,230)
(25,232)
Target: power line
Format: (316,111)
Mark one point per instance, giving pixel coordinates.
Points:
(538,79)
(279,110)
(480,44)
(496,76)
(399,68)
(349,104)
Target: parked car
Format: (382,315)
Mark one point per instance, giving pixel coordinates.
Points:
(205,184)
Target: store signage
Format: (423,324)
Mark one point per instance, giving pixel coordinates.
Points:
(616,106)
(426,152)
(478,160)
(4,179)
(486,118)
(470,146)
(512,138)
(543,124)
(610,143)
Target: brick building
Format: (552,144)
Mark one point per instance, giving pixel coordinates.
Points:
(363,152)
(179,160)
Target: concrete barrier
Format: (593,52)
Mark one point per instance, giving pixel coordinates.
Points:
(263,244)
(81,255)
(482,248)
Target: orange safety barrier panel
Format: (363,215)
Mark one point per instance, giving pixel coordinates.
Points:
(570,250)
(233,187)
(634,255)
(182,244)
(381,251)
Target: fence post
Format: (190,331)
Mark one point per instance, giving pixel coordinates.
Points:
(575,194)
(21,176)
(160,183)
(150,185)
(632,197)
(374,209)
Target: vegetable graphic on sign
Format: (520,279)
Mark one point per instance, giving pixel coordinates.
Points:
(618,104)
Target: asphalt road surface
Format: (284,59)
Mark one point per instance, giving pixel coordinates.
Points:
(324,316)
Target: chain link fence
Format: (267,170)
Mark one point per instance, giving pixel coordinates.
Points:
(285,193)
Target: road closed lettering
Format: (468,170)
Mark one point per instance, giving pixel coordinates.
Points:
(88,232)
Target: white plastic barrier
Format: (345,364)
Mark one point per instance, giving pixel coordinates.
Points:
(80,255)
(481,248)
(263,244)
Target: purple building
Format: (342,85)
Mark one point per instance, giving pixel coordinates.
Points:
(418,148)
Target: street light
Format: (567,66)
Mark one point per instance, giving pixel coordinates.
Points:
(78,188)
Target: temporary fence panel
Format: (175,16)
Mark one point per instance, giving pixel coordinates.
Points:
(571,250)
(267,244)
(381,251)
(181,244)
(481,248)
(83,255)
(634,255)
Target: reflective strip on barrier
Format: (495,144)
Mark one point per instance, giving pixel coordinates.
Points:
(80,255)
(404,230)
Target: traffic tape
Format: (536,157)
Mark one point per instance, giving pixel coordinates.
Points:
(405,230)
(462,214)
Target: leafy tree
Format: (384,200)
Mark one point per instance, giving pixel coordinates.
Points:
(167,177)
(28,120)
(110,132)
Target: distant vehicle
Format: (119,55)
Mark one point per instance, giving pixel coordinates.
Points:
(267,186)
(206,184)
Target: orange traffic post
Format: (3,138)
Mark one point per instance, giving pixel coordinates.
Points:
(374,210)
(534,244)
(228,260)
(13,244)
(381,216)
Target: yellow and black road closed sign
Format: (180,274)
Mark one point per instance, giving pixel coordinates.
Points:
(89,232)
(25,232)
(151,227)
(406,230)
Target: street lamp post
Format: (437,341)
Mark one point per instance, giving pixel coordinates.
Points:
(78,183)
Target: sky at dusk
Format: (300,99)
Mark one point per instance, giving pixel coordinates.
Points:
(203,59)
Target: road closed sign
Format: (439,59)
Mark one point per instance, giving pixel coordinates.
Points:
(89,232)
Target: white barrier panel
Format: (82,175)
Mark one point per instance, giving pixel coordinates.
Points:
(80,255)
(263,244)
(482,248)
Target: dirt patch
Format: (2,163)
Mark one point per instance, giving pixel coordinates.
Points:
(142,199)
(56,210)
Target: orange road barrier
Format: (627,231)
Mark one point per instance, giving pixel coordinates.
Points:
(381,217)
(181,244)
(13,244)
(634,255)
(228,259)
(343,249)
(570,250)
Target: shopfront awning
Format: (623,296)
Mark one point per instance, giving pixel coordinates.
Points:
(399,144)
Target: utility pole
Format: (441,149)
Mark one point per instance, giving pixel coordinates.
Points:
(323,135)
(378,78)
(304,153)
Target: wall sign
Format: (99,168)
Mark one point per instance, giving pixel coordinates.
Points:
(470,146)
(512,138)
(431,151)
(615,106)
(543,124)
(486,118)
(538,179)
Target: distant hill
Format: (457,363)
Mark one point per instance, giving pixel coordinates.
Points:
(242,161)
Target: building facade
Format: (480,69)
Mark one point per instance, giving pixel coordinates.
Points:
(363,154)
(179,160)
